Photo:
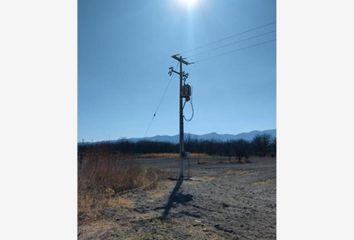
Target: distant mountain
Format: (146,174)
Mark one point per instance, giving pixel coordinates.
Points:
(248,136)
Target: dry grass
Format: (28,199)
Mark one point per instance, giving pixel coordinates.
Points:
(120,202)
(159,155)
(120,175)
(103,175)
(199,156)
(203,179)
(172,155)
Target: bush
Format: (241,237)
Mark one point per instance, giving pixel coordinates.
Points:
(101,175)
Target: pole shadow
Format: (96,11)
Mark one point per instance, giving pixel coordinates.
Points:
(176,197)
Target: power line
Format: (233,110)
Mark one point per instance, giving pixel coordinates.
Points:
(163,96)
(191,117)
(228,37)
(158,106)
(149,125)
(234,50)
(232,43)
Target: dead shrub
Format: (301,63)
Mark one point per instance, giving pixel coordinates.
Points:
(101,175)
(100,169)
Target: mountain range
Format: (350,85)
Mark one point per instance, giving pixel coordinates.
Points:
(248,136)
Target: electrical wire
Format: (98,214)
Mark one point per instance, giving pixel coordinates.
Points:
(232,51)
(189,119)
(231,43)
(149,125)
(158,105)
(213,56)
(228,37)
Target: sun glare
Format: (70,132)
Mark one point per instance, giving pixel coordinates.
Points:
(188,3)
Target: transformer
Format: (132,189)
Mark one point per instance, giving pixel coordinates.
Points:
(187,92)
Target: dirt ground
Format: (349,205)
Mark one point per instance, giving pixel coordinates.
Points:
(222,200)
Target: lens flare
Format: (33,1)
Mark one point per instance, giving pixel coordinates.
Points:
(188,3)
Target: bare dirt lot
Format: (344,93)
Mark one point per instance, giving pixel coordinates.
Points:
(222,201)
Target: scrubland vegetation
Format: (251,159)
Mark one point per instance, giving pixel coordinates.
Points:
(106,170)
(102,175)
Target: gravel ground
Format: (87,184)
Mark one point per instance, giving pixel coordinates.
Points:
(221,201)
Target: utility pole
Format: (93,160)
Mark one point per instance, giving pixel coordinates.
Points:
(182,94)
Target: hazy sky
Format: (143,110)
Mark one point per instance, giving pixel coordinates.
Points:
(124,52)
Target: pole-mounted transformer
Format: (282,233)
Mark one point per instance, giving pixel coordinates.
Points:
(185,93)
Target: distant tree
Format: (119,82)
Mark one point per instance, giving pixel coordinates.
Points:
(241,149)
(260,144)
(229,149)
(273,148)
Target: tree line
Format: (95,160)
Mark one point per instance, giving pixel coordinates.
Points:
(261,145)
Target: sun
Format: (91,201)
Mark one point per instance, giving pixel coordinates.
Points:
(188,3)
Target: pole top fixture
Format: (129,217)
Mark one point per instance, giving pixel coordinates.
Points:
(179,58)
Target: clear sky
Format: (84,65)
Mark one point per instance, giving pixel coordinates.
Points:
(124,52)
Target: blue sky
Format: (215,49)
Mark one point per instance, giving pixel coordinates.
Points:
(124,52)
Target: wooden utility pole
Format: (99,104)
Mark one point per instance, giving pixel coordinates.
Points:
(182,75)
